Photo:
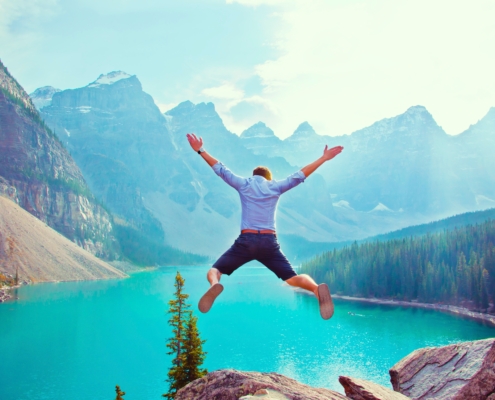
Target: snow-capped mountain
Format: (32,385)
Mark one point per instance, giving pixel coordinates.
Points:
(397,172)
(42,97)
(260,139)
(110,78)
(406,162)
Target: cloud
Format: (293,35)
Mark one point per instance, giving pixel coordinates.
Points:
(255,3)
(164,107)
(238,110)
(227,91)
(343,65)
(15,11)
(19,29)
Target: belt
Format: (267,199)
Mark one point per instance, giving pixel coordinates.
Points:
(259,231)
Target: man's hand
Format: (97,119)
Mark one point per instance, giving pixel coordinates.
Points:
(328,154)
(195,143)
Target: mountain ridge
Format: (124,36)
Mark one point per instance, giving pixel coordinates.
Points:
(404,165)
(40,175)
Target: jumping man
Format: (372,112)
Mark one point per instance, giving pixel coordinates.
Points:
(258,241)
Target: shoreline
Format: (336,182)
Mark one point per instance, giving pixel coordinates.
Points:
(462,312)
(489,319)
(4,293)
(129,270)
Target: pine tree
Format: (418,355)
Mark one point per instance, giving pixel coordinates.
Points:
(185,344)
(194,355)
(120,393)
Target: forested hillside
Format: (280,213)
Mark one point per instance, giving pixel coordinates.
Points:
(453,267)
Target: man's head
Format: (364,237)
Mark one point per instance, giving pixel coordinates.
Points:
(264,172)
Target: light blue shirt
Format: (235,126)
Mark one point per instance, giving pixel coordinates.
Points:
(259,197)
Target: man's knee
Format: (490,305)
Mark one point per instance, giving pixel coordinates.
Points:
(215,272)
(293,280)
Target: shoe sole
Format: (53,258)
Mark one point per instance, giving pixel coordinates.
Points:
(209,297)
(325,300)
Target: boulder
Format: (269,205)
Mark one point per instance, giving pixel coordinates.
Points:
(359,389)
(462,371)
(228,384)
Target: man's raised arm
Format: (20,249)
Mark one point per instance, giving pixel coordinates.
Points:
(328,154)
(197,145)
(221,170)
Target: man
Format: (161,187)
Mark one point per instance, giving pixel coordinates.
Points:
(258,241)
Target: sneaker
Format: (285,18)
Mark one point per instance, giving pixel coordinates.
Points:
(325,300)
(209,297)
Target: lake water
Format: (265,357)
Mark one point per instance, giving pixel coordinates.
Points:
(78,340)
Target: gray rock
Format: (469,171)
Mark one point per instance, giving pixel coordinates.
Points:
(457,372)
(228,384)
(360,389)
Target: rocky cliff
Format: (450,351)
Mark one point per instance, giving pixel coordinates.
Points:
(119,139)
(464,371)
(232,385)
(39,174)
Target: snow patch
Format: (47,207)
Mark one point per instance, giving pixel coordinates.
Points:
(343,204)
(381,207)
(109,79)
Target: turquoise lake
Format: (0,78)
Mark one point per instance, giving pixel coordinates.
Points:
(77,340)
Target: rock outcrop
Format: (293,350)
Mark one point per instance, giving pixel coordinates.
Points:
(228,384)
(360,389)
(38,173)
(463,371)
(457,372)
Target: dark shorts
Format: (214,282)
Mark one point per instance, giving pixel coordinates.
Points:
(259,247)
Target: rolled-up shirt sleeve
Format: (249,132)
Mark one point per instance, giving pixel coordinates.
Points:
(228,176)
(291,181)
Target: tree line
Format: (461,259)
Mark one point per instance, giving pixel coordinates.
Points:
(454,267)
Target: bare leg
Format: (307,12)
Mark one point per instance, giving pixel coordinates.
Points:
(321,292)
(305,282)
(215,289)
(213,276)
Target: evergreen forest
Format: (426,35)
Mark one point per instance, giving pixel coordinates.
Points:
(455,267)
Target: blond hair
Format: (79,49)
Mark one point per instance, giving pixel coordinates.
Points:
(264,172)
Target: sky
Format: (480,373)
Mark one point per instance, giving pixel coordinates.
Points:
(341,65)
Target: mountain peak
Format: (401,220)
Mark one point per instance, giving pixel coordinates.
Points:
(303,131)
(110,78)
(259,130)
(485,126)
(42,96)
(417,110)
(10,84)
(188,106)
(490,115)
(418,113)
